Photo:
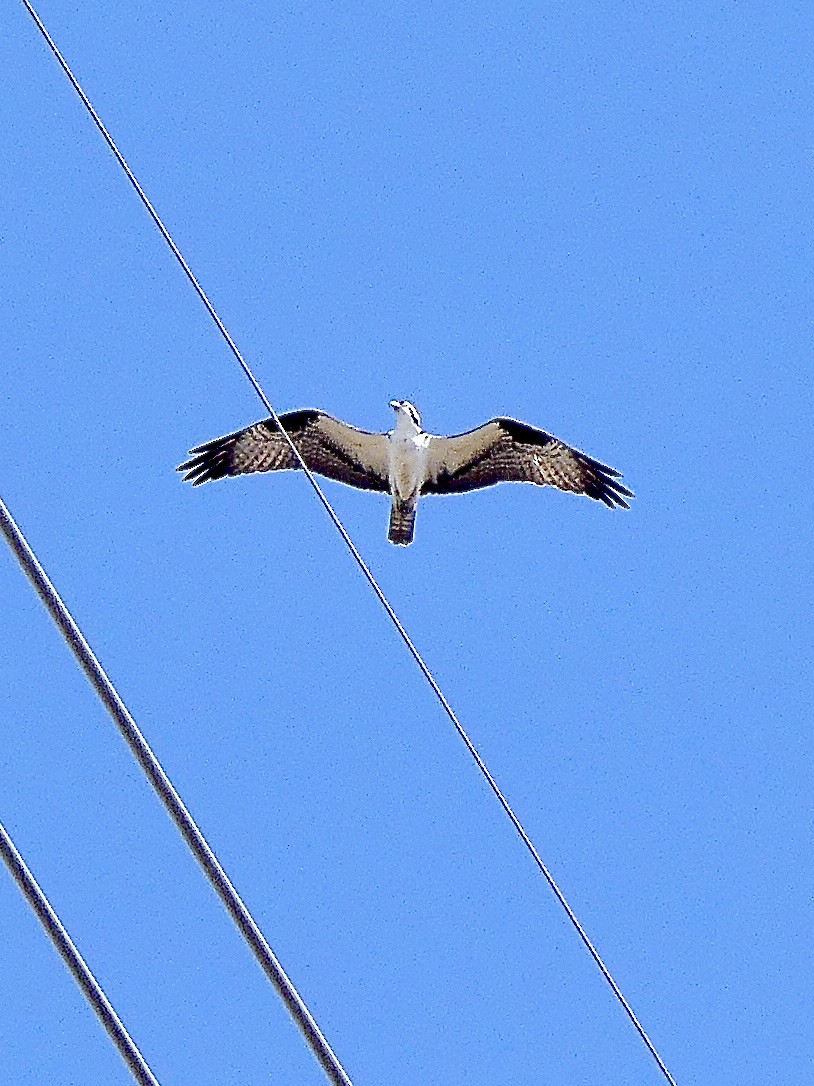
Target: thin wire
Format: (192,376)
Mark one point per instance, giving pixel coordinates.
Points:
(354,551)
(75,962)
(171,799)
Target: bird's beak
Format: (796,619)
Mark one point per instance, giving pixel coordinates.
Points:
(395,404)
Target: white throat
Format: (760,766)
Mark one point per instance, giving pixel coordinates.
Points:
(405,426)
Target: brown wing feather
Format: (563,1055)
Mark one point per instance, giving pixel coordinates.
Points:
(327,445)
(504,450)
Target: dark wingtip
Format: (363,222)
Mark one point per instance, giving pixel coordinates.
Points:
(208,462)
(605,485)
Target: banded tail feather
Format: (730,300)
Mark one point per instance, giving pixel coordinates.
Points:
(402,522)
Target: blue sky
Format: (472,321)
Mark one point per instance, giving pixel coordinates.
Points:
(596,218)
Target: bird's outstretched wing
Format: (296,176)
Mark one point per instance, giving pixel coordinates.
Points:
(504,450)
(328,446)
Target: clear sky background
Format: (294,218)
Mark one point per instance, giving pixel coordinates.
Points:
(593,217)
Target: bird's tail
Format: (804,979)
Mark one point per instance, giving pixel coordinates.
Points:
(402,522)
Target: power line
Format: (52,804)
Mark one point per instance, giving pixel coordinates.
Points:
(171,799)
(75,962)
(354,551)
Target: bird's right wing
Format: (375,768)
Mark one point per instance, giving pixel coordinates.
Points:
(327,445)
(506,451)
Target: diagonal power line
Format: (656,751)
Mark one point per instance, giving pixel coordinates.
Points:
(172,801)
(428,675)
(75,962)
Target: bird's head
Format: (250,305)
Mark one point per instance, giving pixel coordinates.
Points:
(406,411)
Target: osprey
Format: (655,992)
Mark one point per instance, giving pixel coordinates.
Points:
(406,462)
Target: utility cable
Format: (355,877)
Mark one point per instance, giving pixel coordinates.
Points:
(75,962)
(353,549)
(171,800)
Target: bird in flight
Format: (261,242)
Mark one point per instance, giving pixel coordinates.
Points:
(406,462)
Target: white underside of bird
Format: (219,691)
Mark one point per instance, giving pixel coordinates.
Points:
(407,452)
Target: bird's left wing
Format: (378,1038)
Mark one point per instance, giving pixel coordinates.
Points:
(327,445)
(504,450)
